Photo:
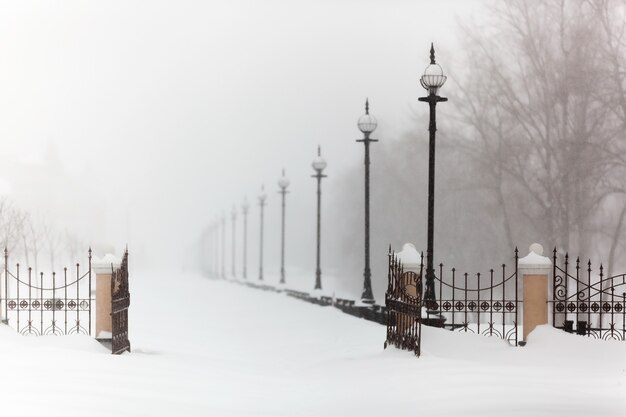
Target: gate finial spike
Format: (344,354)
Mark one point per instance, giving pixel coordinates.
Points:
(367,106)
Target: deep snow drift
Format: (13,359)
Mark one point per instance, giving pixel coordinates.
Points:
(213,348)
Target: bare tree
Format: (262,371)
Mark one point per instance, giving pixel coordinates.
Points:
(536,120)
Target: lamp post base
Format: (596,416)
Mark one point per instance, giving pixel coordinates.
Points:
(433,319)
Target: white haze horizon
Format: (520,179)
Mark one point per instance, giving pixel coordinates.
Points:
(165,114)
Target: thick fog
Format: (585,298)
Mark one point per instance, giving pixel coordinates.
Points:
(142,123)
(164,114)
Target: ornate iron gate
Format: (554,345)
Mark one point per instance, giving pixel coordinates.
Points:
(120,301)
(403,300)
(588,304)
(47,304)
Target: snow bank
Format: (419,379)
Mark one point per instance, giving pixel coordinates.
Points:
(213,348)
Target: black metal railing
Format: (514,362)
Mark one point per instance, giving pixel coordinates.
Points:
(487,305)
(588,304)
(47,304)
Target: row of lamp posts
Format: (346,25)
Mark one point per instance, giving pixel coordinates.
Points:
(432,80)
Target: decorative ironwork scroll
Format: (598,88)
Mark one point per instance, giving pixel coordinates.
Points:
(588,304)
(480,305)
(403,301)
(40,304)
(120,301)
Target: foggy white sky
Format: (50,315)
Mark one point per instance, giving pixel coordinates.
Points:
(176,110)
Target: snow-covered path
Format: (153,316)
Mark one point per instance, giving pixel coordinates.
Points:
(212,348)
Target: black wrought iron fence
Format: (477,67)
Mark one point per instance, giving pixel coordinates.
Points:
(482,304)
(588,302)
(487,305)
(47,304)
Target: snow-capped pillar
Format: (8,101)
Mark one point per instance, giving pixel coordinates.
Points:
(104,270)
(410,258)
(535,269)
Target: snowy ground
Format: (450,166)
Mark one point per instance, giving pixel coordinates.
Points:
(212,348)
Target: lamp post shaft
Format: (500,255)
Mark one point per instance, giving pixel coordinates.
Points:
(234,218)
(261,204)
(216,249)
(282,238)
(429,294)
(245,243)
(367,294)
(224,247)
(430,271)
(318,270)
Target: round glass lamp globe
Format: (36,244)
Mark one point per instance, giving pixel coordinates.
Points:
(367,123)
(319,164)
(262,196)
(433,77)
(283,182)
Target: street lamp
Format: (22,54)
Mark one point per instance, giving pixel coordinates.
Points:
(244,208)
(318,165)
(367,124)
(224,245)
(283,183)
(234,221)
(216,247)
(262,196)
(432,80)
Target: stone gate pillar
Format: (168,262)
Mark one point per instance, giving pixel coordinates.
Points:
(535,269)
(103,269)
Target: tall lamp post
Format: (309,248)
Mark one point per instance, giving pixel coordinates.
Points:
(262,196)
(283,183)
(367,124)
(223,245)
(318,165)
(234,221)
(216,247)
(244,209)
(432,80)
